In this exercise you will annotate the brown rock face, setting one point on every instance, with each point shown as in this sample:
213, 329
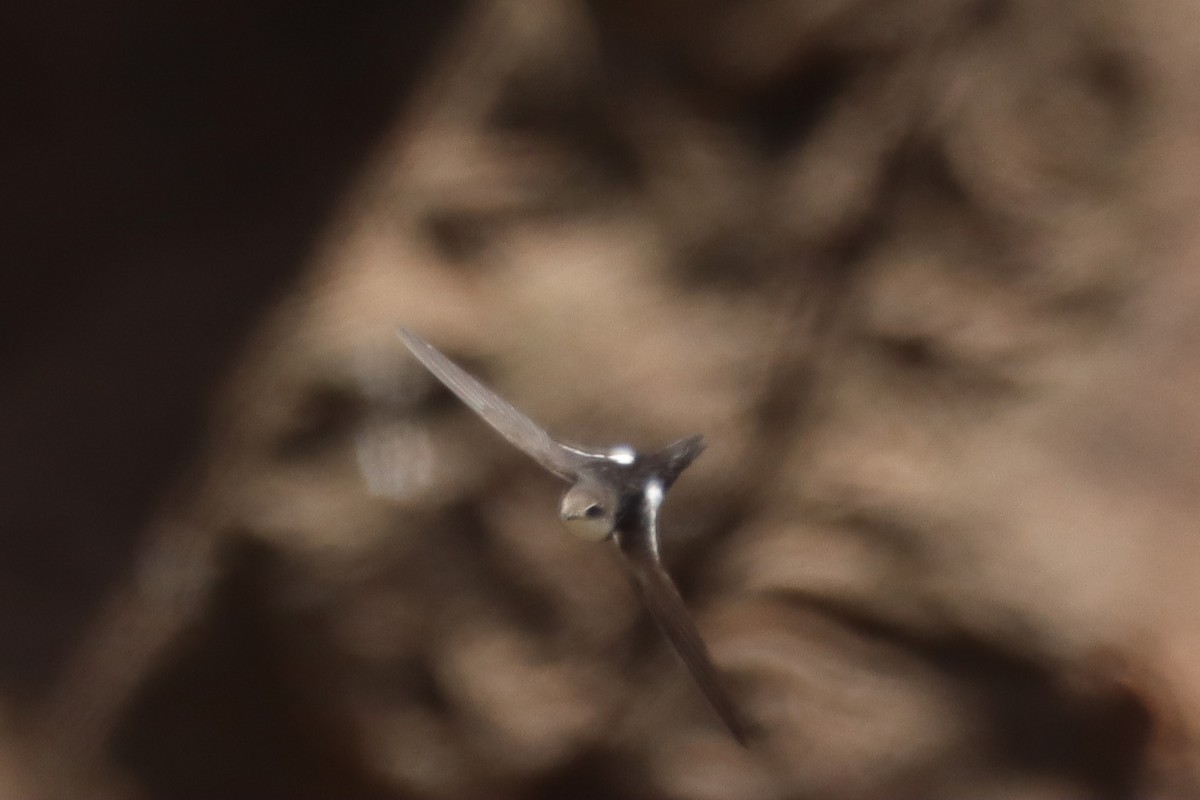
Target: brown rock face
923, 273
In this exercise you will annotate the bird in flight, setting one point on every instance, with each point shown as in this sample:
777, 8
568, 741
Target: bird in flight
613, 495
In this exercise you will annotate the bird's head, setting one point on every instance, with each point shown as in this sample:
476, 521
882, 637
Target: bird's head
589, 511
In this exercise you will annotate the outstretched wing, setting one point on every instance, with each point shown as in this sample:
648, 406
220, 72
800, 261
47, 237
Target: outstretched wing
663, 601
518, 429
676, 457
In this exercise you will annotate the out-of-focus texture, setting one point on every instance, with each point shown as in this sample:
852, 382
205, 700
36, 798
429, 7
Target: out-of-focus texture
924, 275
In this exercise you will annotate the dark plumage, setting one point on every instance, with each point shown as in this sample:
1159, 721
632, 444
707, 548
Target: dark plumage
614, 495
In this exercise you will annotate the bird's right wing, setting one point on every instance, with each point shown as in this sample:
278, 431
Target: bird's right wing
522, 432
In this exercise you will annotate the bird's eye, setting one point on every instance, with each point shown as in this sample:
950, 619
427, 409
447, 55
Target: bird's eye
593, 524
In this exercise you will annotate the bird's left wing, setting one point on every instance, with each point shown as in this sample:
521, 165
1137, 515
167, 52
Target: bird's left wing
522, 432
665, 604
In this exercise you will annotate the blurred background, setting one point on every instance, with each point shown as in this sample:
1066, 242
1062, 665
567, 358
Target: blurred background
922, 272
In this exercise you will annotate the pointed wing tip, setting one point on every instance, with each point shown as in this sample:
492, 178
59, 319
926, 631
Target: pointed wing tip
416, 344
407, 336
739, 732
735, 723
692, 445
677, 456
